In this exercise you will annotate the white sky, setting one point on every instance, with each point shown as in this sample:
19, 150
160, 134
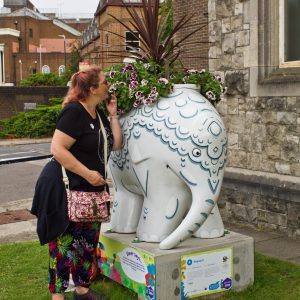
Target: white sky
66, 6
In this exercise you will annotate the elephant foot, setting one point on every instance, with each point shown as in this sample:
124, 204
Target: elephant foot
213, 227
212, 234
150, 238
123, 229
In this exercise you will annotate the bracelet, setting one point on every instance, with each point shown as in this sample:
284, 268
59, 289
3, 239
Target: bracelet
114, 117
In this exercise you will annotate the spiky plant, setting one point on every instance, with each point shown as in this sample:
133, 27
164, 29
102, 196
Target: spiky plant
151, 27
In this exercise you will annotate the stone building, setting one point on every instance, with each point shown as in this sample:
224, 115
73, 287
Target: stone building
31, 42
254, 46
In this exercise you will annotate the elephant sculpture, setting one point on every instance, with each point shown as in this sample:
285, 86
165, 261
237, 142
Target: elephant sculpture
168, 176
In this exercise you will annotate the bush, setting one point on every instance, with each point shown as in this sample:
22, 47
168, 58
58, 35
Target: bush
40, 79
37, 123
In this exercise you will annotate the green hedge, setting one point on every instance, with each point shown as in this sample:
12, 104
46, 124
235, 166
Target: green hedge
33, 124
40, 79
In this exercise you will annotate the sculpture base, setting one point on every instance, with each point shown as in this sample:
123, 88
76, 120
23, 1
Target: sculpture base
195, 269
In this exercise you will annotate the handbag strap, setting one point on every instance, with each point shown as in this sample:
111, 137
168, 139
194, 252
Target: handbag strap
102, 129
105, 143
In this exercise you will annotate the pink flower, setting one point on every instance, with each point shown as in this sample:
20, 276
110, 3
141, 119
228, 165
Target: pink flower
218, 78
129, 67
153, 90
163, 80
138, 102
210, 95
133, 76
138, 94
133, 85
172, 88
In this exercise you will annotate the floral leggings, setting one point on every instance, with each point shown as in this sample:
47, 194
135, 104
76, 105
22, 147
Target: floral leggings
74, 252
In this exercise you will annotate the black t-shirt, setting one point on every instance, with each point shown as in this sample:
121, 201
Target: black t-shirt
75, 121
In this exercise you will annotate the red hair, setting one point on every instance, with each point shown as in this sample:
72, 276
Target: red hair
82, 81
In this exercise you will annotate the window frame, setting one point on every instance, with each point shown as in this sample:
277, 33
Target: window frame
46, 67
136, 41
269, 69
60, 68
282, 62
266, 78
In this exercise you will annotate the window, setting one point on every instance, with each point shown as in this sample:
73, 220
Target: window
289, 33
272, 72
61, 70
30, 32
132, 40
45, 69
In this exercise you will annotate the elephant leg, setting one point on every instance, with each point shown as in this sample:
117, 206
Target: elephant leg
204, 199
213, 227
126, 211
161, 214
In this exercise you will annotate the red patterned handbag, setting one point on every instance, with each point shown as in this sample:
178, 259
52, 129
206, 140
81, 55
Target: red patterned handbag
89, 206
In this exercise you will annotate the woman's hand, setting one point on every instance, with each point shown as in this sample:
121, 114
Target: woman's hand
95, 178
112, 106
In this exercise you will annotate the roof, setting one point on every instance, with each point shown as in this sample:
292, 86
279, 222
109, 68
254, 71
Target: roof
66, 27
9, 31
104, 3
26, 12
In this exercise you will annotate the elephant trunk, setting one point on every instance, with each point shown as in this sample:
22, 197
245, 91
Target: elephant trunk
198, 213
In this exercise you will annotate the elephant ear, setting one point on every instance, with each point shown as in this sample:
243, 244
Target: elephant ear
138, 156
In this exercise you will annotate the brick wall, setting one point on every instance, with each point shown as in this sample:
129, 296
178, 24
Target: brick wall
12, 99
195, 54
41, 29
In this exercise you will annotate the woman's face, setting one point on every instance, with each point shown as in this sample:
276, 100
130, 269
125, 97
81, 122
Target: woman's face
102, 90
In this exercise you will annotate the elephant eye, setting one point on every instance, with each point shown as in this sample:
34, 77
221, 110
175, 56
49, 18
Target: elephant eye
196, 152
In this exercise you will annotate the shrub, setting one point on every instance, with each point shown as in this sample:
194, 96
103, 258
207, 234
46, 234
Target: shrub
40, 79
37, 123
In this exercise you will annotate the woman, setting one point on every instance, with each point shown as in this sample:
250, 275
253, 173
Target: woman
77, 146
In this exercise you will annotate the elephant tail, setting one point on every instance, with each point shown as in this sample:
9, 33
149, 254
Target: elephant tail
196, 216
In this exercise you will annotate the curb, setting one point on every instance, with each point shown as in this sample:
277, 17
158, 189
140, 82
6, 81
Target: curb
16, 205
10, 142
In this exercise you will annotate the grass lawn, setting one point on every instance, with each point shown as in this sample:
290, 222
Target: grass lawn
23, 273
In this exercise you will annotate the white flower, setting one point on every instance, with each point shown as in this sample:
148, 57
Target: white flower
144, 82
185, 79
112, 74
191, 71
147, 66
112, 89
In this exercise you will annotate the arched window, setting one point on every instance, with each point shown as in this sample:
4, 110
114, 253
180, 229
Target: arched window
61, 70
45, 69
